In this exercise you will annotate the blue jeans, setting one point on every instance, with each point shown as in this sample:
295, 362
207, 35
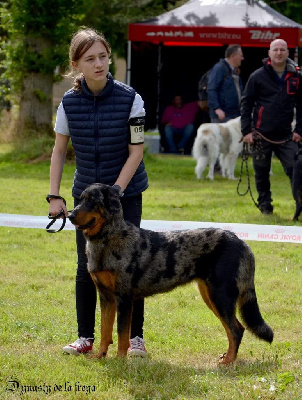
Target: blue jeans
86, 295
185, 134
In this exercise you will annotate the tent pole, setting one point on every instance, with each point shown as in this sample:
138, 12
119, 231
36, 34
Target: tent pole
128, 73
159, 67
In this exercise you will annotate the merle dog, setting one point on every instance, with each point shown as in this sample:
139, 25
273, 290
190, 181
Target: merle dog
127, 263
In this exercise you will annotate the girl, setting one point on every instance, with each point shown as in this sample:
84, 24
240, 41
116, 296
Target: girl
104, 119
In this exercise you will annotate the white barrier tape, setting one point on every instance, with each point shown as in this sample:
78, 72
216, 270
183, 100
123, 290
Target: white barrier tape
264, 233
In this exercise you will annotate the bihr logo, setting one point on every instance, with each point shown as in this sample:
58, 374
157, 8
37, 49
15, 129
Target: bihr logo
257, 34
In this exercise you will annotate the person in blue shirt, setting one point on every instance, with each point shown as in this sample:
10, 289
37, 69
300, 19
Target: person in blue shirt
225, 86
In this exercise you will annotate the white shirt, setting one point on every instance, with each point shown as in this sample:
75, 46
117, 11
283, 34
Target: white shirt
61, 125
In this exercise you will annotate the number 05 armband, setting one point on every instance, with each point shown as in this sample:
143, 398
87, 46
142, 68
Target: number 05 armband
137, 130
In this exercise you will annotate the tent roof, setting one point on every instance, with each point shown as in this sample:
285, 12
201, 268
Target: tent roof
229, 13
219, 16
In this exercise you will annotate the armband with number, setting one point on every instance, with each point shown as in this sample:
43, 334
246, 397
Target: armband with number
137, 130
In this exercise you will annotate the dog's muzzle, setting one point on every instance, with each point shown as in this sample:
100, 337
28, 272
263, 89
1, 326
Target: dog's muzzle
90, 224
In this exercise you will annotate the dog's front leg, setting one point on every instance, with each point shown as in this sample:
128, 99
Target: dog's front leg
108, 310
124, 317
105, 283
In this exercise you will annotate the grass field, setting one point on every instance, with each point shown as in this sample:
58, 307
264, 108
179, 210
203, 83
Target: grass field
183, 338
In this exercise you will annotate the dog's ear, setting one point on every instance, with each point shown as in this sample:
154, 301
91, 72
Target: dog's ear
111, 199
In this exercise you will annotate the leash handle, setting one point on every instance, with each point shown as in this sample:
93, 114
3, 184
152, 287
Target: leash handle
61, 214
54, 218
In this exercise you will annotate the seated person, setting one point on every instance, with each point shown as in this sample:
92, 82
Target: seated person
178, 119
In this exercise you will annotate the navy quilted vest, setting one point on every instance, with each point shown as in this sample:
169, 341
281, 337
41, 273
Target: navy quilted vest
99, 132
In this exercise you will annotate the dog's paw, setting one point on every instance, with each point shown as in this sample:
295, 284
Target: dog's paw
98, 355
224, 359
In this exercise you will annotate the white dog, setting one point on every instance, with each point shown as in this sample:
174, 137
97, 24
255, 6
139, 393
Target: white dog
215, 140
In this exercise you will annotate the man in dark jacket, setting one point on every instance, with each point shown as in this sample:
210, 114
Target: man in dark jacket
225, 87
271, 95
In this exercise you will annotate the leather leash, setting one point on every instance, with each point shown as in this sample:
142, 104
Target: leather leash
61, 215
245, 156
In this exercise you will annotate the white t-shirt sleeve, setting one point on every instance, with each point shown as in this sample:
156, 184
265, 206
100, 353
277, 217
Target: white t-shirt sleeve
137, 109
136, 119
61, 125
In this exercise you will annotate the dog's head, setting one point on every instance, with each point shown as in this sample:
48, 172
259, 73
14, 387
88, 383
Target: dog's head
98, 204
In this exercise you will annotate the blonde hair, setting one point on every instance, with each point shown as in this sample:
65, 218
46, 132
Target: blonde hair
81, 41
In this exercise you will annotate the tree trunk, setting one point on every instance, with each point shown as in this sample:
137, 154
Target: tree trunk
36, 104
36, 95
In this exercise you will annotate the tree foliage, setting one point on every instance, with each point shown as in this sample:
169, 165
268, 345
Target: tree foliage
38, 33
35, 44
291, 9
113, 18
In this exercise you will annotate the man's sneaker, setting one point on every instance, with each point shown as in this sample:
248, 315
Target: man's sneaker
137, 348
80, 346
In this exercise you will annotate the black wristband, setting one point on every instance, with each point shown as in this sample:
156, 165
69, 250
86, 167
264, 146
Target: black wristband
53, 196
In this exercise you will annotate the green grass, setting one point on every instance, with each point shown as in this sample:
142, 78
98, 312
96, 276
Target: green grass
183, 337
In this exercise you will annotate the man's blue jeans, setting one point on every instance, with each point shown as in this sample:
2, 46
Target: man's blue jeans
185, 134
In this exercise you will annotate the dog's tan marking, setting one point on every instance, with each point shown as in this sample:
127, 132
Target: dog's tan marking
106, 280
123, 342
231, 354
97, 227
207, 131
83, 220
224, 131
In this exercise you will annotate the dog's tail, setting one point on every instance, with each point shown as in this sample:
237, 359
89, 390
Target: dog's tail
200, 149
248, 305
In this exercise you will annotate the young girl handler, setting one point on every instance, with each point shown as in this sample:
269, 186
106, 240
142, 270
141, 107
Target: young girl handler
104, 119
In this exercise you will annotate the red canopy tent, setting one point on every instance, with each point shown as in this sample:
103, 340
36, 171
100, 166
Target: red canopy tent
172, 51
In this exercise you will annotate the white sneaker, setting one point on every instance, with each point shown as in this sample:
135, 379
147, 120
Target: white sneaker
137, 348
80, 346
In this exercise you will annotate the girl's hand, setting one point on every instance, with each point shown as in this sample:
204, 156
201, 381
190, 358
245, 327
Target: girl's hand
56, 206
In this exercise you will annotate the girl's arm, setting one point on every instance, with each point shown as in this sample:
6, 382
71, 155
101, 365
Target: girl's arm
135, 157
56, 171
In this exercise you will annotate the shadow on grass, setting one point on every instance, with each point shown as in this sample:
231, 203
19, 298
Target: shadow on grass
148, 379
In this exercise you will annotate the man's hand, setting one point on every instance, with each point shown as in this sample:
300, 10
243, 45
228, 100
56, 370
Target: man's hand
248, 138
220, 114
296, 137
